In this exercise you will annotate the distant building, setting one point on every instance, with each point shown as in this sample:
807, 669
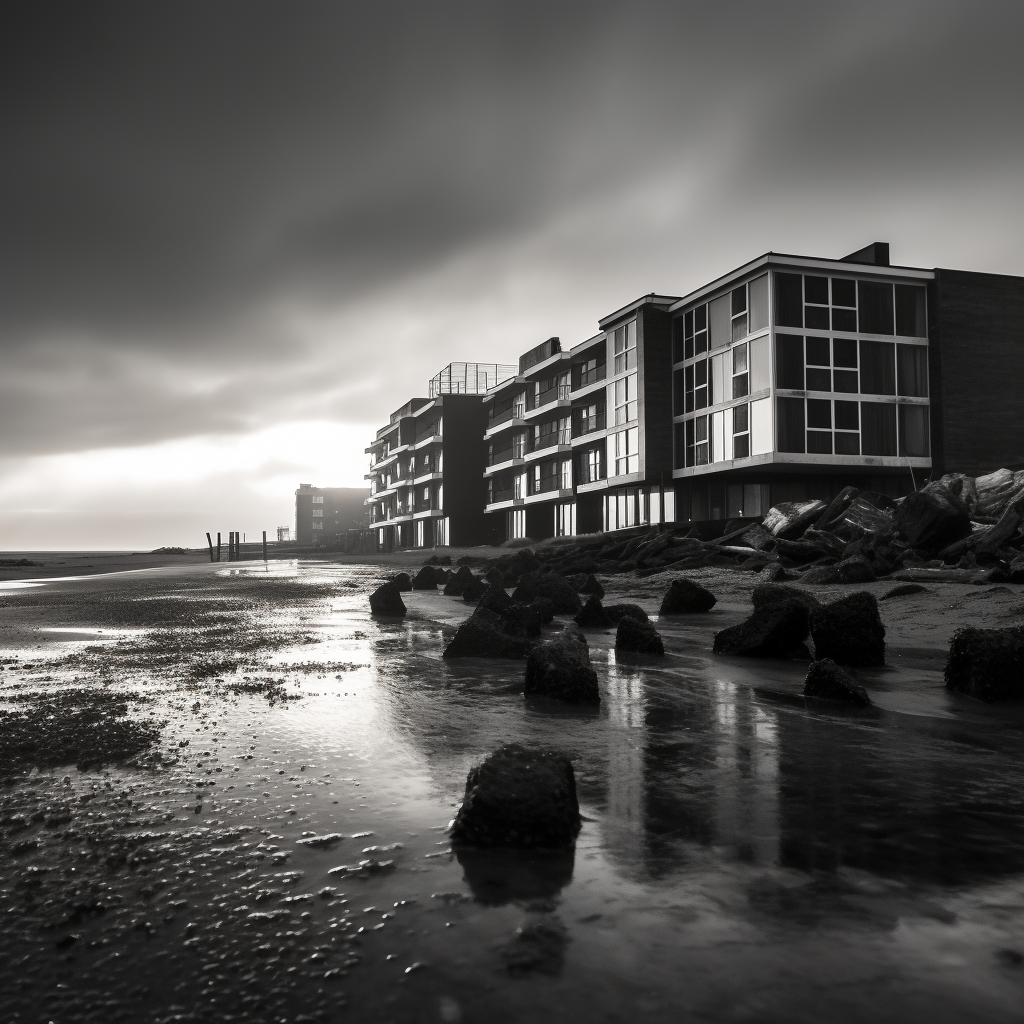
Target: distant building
324, 515
284, 534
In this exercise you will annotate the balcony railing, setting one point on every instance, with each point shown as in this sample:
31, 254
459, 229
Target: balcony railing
588, 424
547, 483
504, 455
559, 392
592, 376
502, 494
502, 417
433, 430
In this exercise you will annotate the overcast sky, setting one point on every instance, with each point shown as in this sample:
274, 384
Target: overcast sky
235, 237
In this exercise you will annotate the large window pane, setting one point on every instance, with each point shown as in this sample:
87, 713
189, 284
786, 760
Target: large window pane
874, 304
878, 428
819, 442
789, 362
720, 315
847, 416
816, 290
914, 430
789, 300
819, 413
844, 352
844, 292
877, 368
789, 414
759, 303
912, 371
910, 311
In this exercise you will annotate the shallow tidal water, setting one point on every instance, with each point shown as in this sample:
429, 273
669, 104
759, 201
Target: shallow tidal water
746, 854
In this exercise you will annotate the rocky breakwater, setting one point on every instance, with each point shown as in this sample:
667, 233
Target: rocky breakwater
560, 668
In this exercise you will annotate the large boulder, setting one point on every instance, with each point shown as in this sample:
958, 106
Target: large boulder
495, 576
483, 635
684, 596
586, 583
849, 631
932, 518
520, 797
527, 619
425, 579
560, 668
475, 590
458, 583
495, 599
777, 629
402, 580
617, 612
593, 616
987, 663
637, 637
766, 595
556, 588
827, 680
387, 600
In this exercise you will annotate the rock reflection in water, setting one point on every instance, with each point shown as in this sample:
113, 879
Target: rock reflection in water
498, 877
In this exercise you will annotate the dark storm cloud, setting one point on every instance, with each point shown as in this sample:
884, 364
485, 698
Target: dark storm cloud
171, 172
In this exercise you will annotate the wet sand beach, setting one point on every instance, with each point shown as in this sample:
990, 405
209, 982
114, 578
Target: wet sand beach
228, 789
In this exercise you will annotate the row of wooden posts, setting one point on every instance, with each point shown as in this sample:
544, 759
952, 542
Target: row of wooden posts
234, 546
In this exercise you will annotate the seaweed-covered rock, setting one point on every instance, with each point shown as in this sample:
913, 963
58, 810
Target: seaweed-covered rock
684, 596
586, 583
425, 579
494, 576
387, 600
592, 615
932, 518
849, 631
527, 619
483, 635
554, 587
495, 599
475, 590
560, 668
617, 612
521, 797
458, 583
402, 580
766, 595
638, 637
827, 680
773, 573
777, 629
987, 663
849, 570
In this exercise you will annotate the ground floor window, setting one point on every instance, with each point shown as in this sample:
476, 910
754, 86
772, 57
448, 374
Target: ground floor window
441, 533
638, 506
517, 524
565, 519
420, 533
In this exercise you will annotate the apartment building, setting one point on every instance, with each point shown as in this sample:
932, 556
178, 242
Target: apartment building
795, 376
427, 464
324, 515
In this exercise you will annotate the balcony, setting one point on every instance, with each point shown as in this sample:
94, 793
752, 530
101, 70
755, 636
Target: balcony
588, 424
500, 494
433, 430
560, 392
551, 439
591, 377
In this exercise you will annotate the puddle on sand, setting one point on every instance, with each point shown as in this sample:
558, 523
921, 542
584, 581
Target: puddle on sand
746, 855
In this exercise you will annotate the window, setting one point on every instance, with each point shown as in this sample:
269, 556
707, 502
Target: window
679, 337
565, 519
816, 312
590, 466
623, 452
695, 332
701, 391
624, 344
741, 431
740, 375
819, 426
318, 526
536, 479
624, 399
913, 420
564, 430
844, 354
789, 362
819, 362
874, 306
698, 444
566, 475
317, 500
318, 511
844, 296
789, 300
517, 524
878, 428
847, 436
739, 312
518, 446
519, 406
877, 368
912, 371
720, 321
790, 424
758, 295
519, 485
910, 311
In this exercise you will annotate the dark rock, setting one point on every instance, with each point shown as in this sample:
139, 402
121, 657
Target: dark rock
475, 590
768, 594
773, 573
932, 518
638, 637
593, 616
684, 596
520, 797
987, 663
458, 583
495, 575
827, 680
495, 599
467, 560
849, 631
387, 600
402, 580
586, 583
777, 629
483, 635
904, 590
617, 612
551, 585
1016, 572
560, 668
425, 579
527, 619
789, 519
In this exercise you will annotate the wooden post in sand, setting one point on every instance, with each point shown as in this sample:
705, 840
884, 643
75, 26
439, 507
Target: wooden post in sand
218, 545
209, 541
264, 545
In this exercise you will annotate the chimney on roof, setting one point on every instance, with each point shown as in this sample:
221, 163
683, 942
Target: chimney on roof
877, 254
